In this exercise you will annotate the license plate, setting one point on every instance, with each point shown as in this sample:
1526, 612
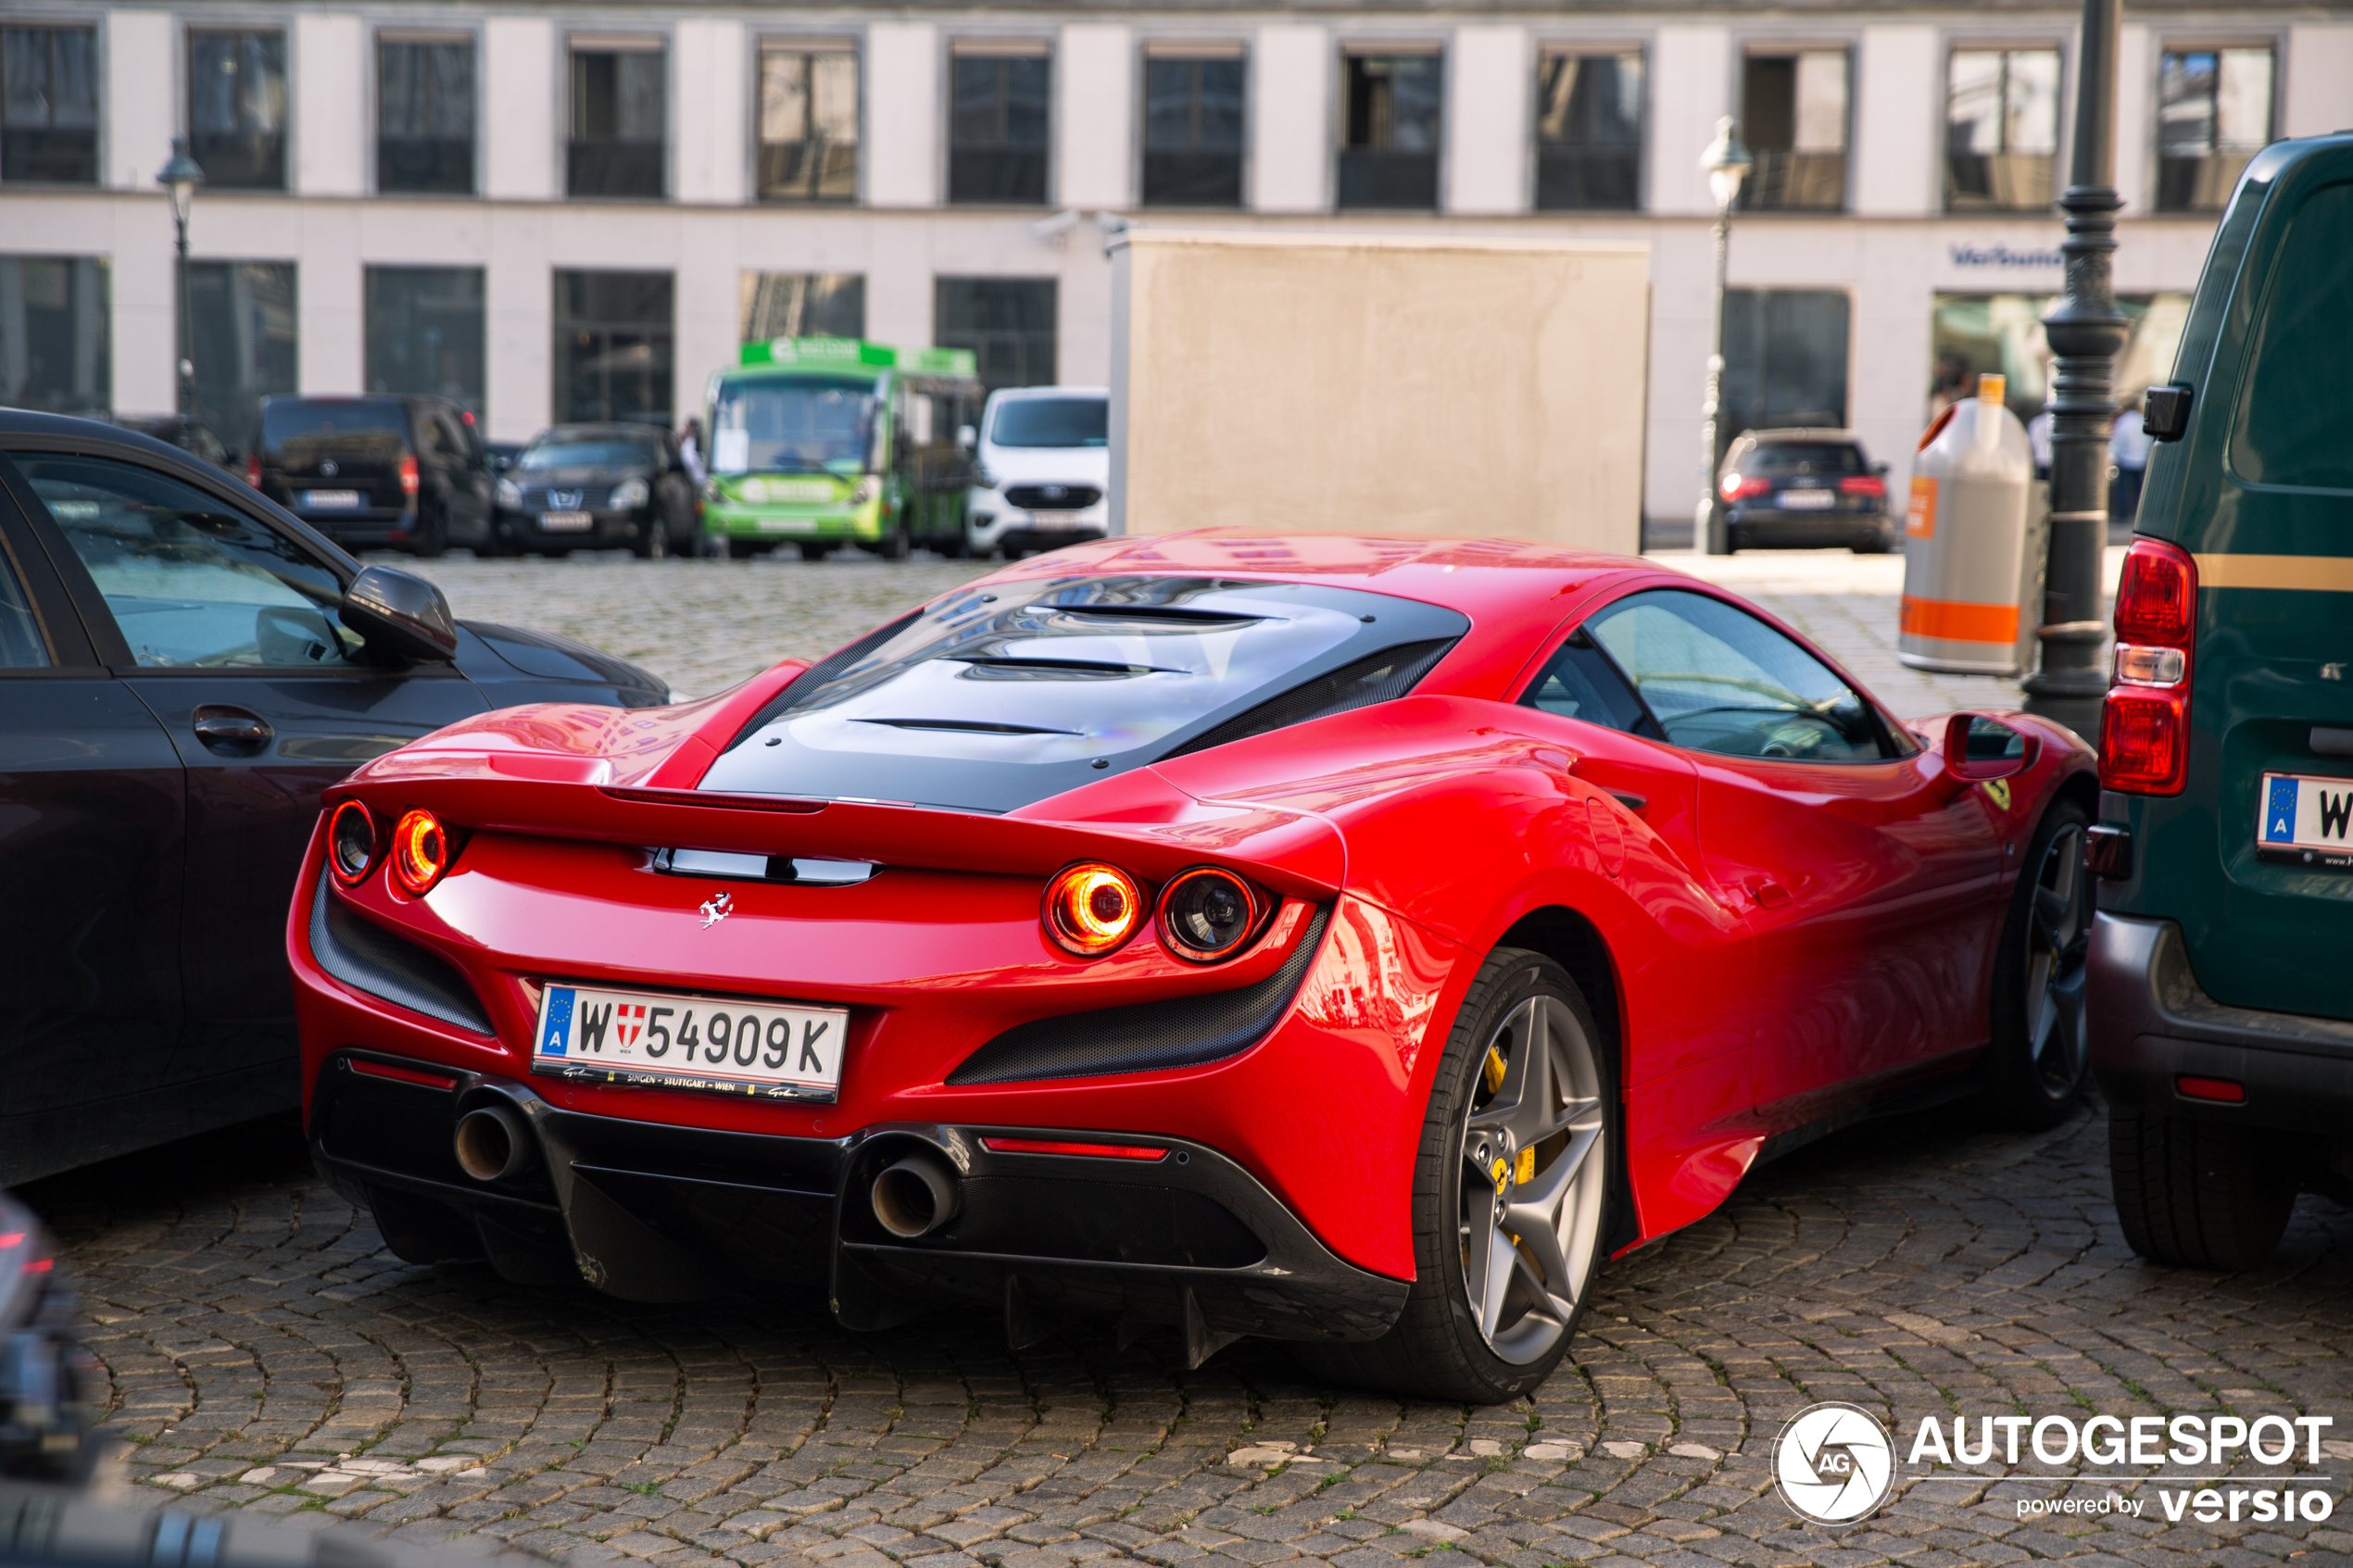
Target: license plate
2306, 819
566, 522
706, 1043
331, 498
1807, 500
789, 525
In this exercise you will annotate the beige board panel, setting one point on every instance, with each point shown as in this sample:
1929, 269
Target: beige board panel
1380, 385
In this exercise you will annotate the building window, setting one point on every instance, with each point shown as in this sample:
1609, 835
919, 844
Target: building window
49, 125
1193, 126
1007, 323
620, 114
2001, 129
425, 333
1589, 132
802, 304
997, 125
1388, 152
425, 115
237, 108
2213, 114
1784, 360
54, 352
808, 122
1793, 117
241, 327
614, 343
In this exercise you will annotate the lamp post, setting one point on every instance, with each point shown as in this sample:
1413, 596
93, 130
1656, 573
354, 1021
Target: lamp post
1728, 164
2085, 332
181, 177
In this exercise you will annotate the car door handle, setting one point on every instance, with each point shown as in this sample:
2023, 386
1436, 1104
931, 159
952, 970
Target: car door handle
232, 730
1768, 893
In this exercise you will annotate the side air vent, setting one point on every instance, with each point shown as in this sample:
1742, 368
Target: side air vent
365, 956
1148, 1037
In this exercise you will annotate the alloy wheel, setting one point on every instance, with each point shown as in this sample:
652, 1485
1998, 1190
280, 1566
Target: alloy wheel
2058, 938
1533, 1177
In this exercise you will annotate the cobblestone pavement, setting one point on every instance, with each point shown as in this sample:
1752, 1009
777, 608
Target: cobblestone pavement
265, 1352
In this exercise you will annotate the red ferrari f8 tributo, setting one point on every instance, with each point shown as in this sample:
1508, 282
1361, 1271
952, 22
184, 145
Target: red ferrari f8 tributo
1350, 941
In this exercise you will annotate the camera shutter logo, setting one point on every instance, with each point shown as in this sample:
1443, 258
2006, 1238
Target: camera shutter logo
1834, 1463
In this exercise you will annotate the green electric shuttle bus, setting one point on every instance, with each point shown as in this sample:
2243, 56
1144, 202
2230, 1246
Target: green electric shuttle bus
821, 442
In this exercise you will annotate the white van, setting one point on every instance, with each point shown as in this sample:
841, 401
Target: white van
1041, 470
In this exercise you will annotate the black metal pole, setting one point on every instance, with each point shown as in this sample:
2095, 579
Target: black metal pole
185, 371
2085, 333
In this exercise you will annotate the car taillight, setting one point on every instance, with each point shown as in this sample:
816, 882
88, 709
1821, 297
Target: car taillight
253, 471
2144, 720
1862, 485
351, 842
1736, 488
1207, 914
420, 852
407, 476
1091, 909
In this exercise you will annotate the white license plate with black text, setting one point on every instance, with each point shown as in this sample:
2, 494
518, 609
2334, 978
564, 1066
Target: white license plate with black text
708, 1042
2304, 818
1807, 500
327, 499
566, 522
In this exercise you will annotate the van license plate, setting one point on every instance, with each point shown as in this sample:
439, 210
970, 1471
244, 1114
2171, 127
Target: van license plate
324, 498
566, 522
2306, 819
708, 1042
1807, 500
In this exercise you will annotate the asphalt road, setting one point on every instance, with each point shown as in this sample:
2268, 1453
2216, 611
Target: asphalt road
263, 1351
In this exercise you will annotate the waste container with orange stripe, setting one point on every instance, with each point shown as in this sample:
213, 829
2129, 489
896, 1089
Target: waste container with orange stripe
1970, 560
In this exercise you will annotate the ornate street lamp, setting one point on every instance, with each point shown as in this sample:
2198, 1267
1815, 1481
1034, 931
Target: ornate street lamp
1728, 164
2085, 332
181, 177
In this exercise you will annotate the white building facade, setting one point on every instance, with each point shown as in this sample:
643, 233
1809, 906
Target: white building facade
559, 212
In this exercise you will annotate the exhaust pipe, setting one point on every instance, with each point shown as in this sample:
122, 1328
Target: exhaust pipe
915, 1197
492, 1144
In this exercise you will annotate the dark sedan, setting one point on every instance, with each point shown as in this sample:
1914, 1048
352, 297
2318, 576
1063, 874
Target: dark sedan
183, 668
596, 487
1803, 489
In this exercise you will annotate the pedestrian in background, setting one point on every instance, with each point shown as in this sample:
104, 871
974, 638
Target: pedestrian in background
2038, 437
2128, 451
690, 450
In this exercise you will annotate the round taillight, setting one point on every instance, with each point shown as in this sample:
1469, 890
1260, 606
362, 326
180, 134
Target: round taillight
1208, 914
351, 842
420, 852
1091, 908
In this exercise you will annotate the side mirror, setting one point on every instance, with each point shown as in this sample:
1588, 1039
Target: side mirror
1978, 749
1880, 469
967, 440
406, 617
2165, 412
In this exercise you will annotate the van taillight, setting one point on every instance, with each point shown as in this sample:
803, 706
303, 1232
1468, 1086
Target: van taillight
407, 476
2144, 720
253, 470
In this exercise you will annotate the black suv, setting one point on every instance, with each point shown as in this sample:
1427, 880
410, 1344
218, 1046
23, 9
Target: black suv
406, 472
1803, 489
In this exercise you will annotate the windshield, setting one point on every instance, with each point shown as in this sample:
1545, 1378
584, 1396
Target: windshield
1053, 421
779, 425
587, 455
292, 418
989, 701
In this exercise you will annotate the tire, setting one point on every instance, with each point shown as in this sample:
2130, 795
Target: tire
2037, 1065
2198, 1195
1735, 541
499, 542
1876, 544
1440, 1348
430, 538
418, 1230
744, 549
894, 544
952, 546
647, 545
815, 549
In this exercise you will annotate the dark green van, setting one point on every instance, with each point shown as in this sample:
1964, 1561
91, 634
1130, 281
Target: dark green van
2220, 1021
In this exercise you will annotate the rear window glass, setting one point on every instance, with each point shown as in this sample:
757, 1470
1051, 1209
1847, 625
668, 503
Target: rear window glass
989, 701
2296, 403
284, 420
1796, 457
1053, 421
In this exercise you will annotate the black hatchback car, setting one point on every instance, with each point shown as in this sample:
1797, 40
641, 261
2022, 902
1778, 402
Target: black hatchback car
595, 487
183, 668
405, 471
1803, 489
